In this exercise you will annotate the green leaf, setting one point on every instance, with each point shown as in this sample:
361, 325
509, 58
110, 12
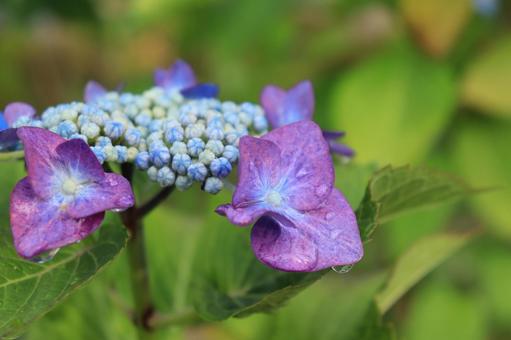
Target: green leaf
394, 191
417, 262
481, 153
339, 307
488, 78
440, 311
29, 290
411, 101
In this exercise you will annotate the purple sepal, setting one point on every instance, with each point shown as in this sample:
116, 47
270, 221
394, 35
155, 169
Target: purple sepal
64, 196
14, 111
8, 140
178, 77
333, 135
38, 226
325, 237
284, 108
204, 90
93, 91
286, 184
341, 149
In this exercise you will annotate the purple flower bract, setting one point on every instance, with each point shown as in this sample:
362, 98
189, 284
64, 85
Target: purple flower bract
64, 196
180, 77
302, 223
285, 107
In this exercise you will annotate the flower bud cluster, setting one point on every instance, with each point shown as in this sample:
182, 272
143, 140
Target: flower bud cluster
176, 141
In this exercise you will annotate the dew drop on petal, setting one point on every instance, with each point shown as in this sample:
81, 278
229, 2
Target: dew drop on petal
118, 210
45, 257
342, 269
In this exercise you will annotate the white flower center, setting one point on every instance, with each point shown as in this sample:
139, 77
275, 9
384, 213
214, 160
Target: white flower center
70, 186
274, 198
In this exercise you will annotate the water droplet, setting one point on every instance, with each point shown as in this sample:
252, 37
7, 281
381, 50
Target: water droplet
342, 269
118, 210
45, 257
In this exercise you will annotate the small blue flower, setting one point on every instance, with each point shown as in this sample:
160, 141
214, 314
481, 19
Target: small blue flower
142, 160
133, 136
195, 146
181, 162
178, 147
152, 173
122, 153
143, 119
231, 153
79, 136
215, 146
183, 183
67, 128
165, 177
206, 156
174, 134
213, 185
90, 130
100, 153
114, 129
160, 156
215, 133
220, 167
103, 141
155, 125
197, 172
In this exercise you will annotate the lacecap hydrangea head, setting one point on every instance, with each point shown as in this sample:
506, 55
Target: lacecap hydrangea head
176, 131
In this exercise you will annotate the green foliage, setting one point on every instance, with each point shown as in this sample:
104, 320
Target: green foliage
481, 154
415, 263
29, 290
394, 191
488, 78
443, 312
411, 101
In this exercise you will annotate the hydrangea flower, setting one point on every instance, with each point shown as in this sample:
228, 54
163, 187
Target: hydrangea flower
285, 107
9, 119
181, 78
93, 91
286, 179
64, 196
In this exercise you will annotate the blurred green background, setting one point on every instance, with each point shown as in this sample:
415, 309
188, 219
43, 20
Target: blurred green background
411, 81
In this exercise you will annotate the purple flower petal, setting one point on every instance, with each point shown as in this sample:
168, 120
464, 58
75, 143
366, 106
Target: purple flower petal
14, 111
272, 99
306, 163
8, 139
40, 145
243, 216
333, 135
112, 193
319, 239
341, 149
259, 170
204, 90
179, 76
39, 226
93, 91
77, 157
284, 108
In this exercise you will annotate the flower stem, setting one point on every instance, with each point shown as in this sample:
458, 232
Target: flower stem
143, 308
